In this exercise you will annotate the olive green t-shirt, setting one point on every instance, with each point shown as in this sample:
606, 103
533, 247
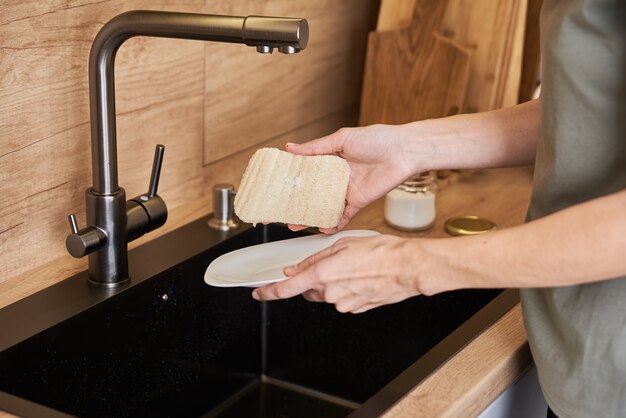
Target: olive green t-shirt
577, 334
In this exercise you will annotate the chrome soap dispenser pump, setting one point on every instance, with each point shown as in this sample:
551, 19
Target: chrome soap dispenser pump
113, 221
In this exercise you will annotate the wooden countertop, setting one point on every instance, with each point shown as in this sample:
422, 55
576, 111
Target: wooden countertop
482, 370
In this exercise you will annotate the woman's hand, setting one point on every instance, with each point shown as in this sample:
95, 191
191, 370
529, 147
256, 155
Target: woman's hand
355, 274
377, 162
383, 156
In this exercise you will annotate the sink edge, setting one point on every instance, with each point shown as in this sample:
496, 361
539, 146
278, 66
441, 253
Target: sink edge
73, 295
435, 358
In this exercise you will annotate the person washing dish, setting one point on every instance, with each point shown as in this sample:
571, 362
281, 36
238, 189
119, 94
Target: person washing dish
569, 259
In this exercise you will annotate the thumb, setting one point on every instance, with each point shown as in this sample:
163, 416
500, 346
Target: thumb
348, 213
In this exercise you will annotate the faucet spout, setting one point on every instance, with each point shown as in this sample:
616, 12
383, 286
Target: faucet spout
258, 31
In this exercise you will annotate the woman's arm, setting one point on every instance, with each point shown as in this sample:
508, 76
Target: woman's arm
581, 244
500, 138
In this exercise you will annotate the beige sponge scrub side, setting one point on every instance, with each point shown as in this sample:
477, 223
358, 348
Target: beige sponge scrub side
278, 186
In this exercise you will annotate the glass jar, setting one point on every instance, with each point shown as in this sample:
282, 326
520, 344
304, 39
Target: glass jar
411, 205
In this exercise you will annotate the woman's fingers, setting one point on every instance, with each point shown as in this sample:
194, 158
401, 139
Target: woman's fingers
365, 308
313, 296
302, 277
327, 145
354, 274
282, 290
296, 228
310, 260
348, 213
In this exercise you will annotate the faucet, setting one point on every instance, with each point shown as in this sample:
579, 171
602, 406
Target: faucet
112, 221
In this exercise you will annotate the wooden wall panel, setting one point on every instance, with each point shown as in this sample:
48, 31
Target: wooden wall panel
45, 156
257, 97
45, 160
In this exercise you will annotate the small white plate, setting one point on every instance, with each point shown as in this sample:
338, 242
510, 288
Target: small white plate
264, 263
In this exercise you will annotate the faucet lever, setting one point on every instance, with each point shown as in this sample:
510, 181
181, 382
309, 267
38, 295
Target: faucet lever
147, 212
73, 223
84, 241
156, 170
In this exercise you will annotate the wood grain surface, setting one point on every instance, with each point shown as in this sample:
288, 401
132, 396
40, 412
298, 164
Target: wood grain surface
531, 55
44, 117
494, 31
413, 73
394, 14
501, 195
491, 31
45, 157
275, 94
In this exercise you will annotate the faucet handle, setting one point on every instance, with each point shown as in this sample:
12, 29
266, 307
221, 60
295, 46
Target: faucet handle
157, 163
147, 212
73, 223
84, 241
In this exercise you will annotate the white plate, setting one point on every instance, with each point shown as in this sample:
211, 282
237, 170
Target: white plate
263, 264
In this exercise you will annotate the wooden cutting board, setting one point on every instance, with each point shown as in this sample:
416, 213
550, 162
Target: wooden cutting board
414, 73
532, 55
491, 31
494, 31
394, 14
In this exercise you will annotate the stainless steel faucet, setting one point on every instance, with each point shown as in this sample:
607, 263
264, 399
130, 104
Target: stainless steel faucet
113, 222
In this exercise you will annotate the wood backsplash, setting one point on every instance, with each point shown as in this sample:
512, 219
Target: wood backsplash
279, 93
210, 104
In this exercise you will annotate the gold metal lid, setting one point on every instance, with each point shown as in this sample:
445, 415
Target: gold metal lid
468, 225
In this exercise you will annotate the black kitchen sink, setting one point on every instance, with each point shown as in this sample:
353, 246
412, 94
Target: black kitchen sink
169, 345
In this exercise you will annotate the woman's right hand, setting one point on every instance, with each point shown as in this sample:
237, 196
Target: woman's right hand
377, 161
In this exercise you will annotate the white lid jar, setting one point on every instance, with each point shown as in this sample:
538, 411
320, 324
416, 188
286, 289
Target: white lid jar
411, 205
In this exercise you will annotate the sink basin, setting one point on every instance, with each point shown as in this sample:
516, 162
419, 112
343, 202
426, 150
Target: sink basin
169, 345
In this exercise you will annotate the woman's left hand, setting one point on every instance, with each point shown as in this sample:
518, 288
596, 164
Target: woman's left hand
355, 274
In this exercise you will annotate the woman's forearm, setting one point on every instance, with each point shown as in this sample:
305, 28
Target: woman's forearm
580, 244
501, 138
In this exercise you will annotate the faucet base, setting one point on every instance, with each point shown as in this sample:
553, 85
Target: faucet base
107, 285
108, 266
221, 224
